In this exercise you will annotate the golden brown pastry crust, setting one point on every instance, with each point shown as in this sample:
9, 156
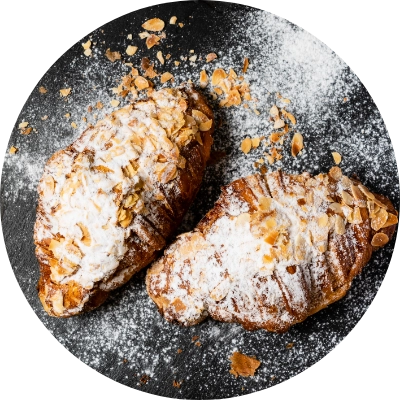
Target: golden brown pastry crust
145, 218
274, 250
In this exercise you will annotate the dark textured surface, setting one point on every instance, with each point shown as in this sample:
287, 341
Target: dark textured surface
126, 338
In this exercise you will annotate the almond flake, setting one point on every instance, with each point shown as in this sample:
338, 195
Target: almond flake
274, 111
86, 45
99, 105
65, 92
217, 76
205, 126
13, 150
131, 50
297, 144
211, 57
291, 118
141, 83
203, 79
335, 173
340, 227
73, 124
166, 76
181, 25
88, 52
173, 20
379, 239
152, 40
246, 145
113, 55
357, 219
245, 65
177, 63
347, 199
129, 37
193, 58
279, 123
255, 142
67, 115
323, 220
23, 125
391, 220
336, 157
379, 220
160, 57
243, 365
154, 25
42, 90
114, 103
27, 131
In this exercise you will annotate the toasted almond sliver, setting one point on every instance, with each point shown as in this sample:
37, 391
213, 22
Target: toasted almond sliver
391, 220
340, 227
336, 157
42, 90
131, 50
379, 203
173, 20
205, 126
217, 76
274, 111
264, 203
279, 123
347, 199
297, 144
357, 194
291, 118
379, 239
246, 145
271, 237
160, 57
13, 150
379, 220
166, 76
323, 220
245, 65
335, 173
23, 125
357, 219
114, 103
211, 57
88, 52
255, 142
154, 25
65, 92
152, 40
203, 79
366, 191
141, 83
113, 55
86, 45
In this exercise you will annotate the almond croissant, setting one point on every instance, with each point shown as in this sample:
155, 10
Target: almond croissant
109, 202
275, 249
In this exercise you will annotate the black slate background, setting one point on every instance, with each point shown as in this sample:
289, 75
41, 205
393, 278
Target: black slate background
329, 325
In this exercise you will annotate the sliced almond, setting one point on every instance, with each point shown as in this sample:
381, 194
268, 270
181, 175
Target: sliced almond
366, 191
13, 150
391, 220
65, 92
379, 239
323, 220
340, 227
166, 76
271, 237
274, 111
379, 219
255, 142
173, 20
160, 57
211, 57
347, 199
131, 50
357, 194
279, 123
337, 157
245, 65
86, 45
335, 173
141, 83
297, 144
114, 103
217, 76
168, 174
264, 203
42, 90
356, 217
379, 203
203, 79
206, 126
291, 118
152, 40
300, 248
154, 25
113, 55
246, 145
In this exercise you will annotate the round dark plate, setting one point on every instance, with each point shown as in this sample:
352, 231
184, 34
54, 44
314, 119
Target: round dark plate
126, 339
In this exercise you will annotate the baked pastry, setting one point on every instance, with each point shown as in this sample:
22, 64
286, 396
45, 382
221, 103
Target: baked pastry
275, 249
109, 202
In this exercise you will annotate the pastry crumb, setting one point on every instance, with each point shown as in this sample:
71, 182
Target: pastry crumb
113, 55
243, 365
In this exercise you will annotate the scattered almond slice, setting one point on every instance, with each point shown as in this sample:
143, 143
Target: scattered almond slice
193, 58
297, 144
114, 103
99, 105
177, 63
181, 25
141, 83
129, 37
279, 123
160, 57
173, 20
152, 40
65, 92
274, 111
131, 50
88, 52
86, 45
243, 365
13, 150
255, 142
154, 25
26, 131
166, 76
23, 125
67, 115
42, 90
336, 157
379, 239
203, 79
246, 145
73, 124
113, 55
218, 75
211, 57
391, 220
245, 65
